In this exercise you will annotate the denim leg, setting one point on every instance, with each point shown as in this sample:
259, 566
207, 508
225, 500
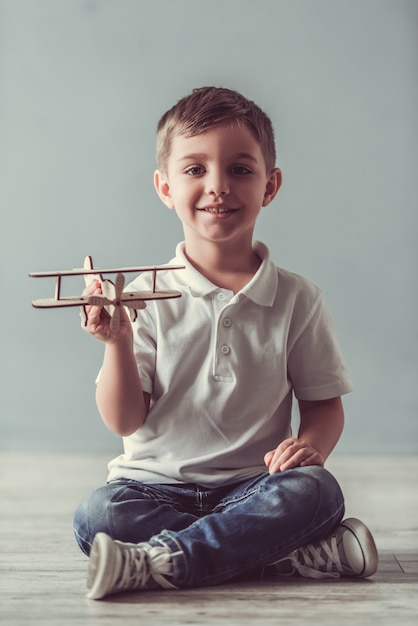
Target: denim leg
258, 523
131, 511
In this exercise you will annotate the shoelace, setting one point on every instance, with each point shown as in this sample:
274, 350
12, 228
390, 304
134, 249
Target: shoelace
140, 563
319, 562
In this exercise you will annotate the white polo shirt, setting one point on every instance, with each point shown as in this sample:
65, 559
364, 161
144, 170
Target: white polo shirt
221, 370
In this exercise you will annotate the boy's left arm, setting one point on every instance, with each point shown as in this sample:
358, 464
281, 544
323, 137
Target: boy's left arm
321, 424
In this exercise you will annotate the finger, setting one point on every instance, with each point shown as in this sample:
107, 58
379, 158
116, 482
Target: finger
302, 458
268, 457
314, 459
84, 316
97, 320
296, 459
276, 463
281, 454
92, 314
93, 289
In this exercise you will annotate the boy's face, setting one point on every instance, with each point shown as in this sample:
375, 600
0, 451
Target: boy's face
217, 183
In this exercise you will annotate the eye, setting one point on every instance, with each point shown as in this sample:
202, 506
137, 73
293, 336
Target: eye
240, 170
194, 170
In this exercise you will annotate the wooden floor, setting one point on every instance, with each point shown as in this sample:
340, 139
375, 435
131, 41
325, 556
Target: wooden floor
43, 572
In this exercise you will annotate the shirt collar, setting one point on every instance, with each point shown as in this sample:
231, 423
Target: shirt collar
261, 289
190, 278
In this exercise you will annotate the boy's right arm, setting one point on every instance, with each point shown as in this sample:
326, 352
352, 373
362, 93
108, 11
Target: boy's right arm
120, 399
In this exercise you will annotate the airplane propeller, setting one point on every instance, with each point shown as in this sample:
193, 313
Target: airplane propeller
113, 297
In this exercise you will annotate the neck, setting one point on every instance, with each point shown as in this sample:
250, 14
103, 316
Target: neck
228, 267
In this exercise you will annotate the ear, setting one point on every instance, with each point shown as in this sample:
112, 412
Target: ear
162, 187
273, 185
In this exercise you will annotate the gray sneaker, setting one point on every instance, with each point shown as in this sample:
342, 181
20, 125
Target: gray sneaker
117, 566
349, 550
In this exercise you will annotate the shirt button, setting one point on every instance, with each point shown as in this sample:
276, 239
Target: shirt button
225, 349
227, 322
221, 296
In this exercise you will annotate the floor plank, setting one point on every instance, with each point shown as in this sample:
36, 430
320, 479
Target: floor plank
42, 572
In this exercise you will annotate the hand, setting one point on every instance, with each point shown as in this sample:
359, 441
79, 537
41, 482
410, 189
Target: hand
97, 322
292, 453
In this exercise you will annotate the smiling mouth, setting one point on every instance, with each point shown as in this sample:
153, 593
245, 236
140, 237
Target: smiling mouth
217, 210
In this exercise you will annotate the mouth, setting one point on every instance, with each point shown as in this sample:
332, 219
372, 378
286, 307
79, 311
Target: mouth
217, 210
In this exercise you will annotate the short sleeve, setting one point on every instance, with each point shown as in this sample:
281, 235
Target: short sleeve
315, 363
145, 348
144, 335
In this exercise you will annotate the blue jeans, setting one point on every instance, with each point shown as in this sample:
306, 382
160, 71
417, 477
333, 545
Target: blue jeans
218, 533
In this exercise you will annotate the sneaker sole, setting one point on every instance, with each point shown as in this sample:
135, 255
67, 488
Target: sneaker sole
366, 542
99, 570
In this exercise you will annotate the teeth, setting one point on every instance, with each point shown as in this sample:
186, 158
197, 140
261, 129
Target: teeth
217, 210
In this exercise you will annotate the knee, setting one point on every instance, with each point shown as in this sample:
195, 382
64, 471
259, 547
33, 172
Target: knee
327, 500
323, 483
316, 479
80, 528
313, 485
90, 518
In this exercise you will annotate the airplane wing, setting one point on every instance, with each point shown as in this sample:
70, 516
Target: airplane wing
98, 270
150, 295
52, 303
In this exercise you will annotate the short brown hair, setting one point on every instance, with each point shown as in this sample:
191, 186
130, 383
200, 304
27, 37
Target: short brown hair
207, 107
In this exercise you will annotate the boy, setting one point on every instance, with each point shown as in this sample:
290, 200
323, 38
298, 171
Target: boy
212, 484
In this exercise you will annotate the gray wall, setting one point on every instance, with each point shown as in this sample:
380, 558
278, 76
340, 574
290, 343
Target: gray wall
82, 85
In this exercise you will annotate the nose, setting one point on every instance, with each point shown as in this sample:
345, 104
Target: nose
217, 184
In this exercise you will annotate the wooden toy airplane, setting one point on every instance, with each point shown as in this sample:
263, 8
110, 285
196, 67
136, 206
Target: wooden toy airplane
113, 297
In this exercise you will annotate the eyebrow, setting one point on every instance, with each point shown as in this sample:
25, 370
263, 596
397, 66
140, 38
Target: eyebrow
238, 155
